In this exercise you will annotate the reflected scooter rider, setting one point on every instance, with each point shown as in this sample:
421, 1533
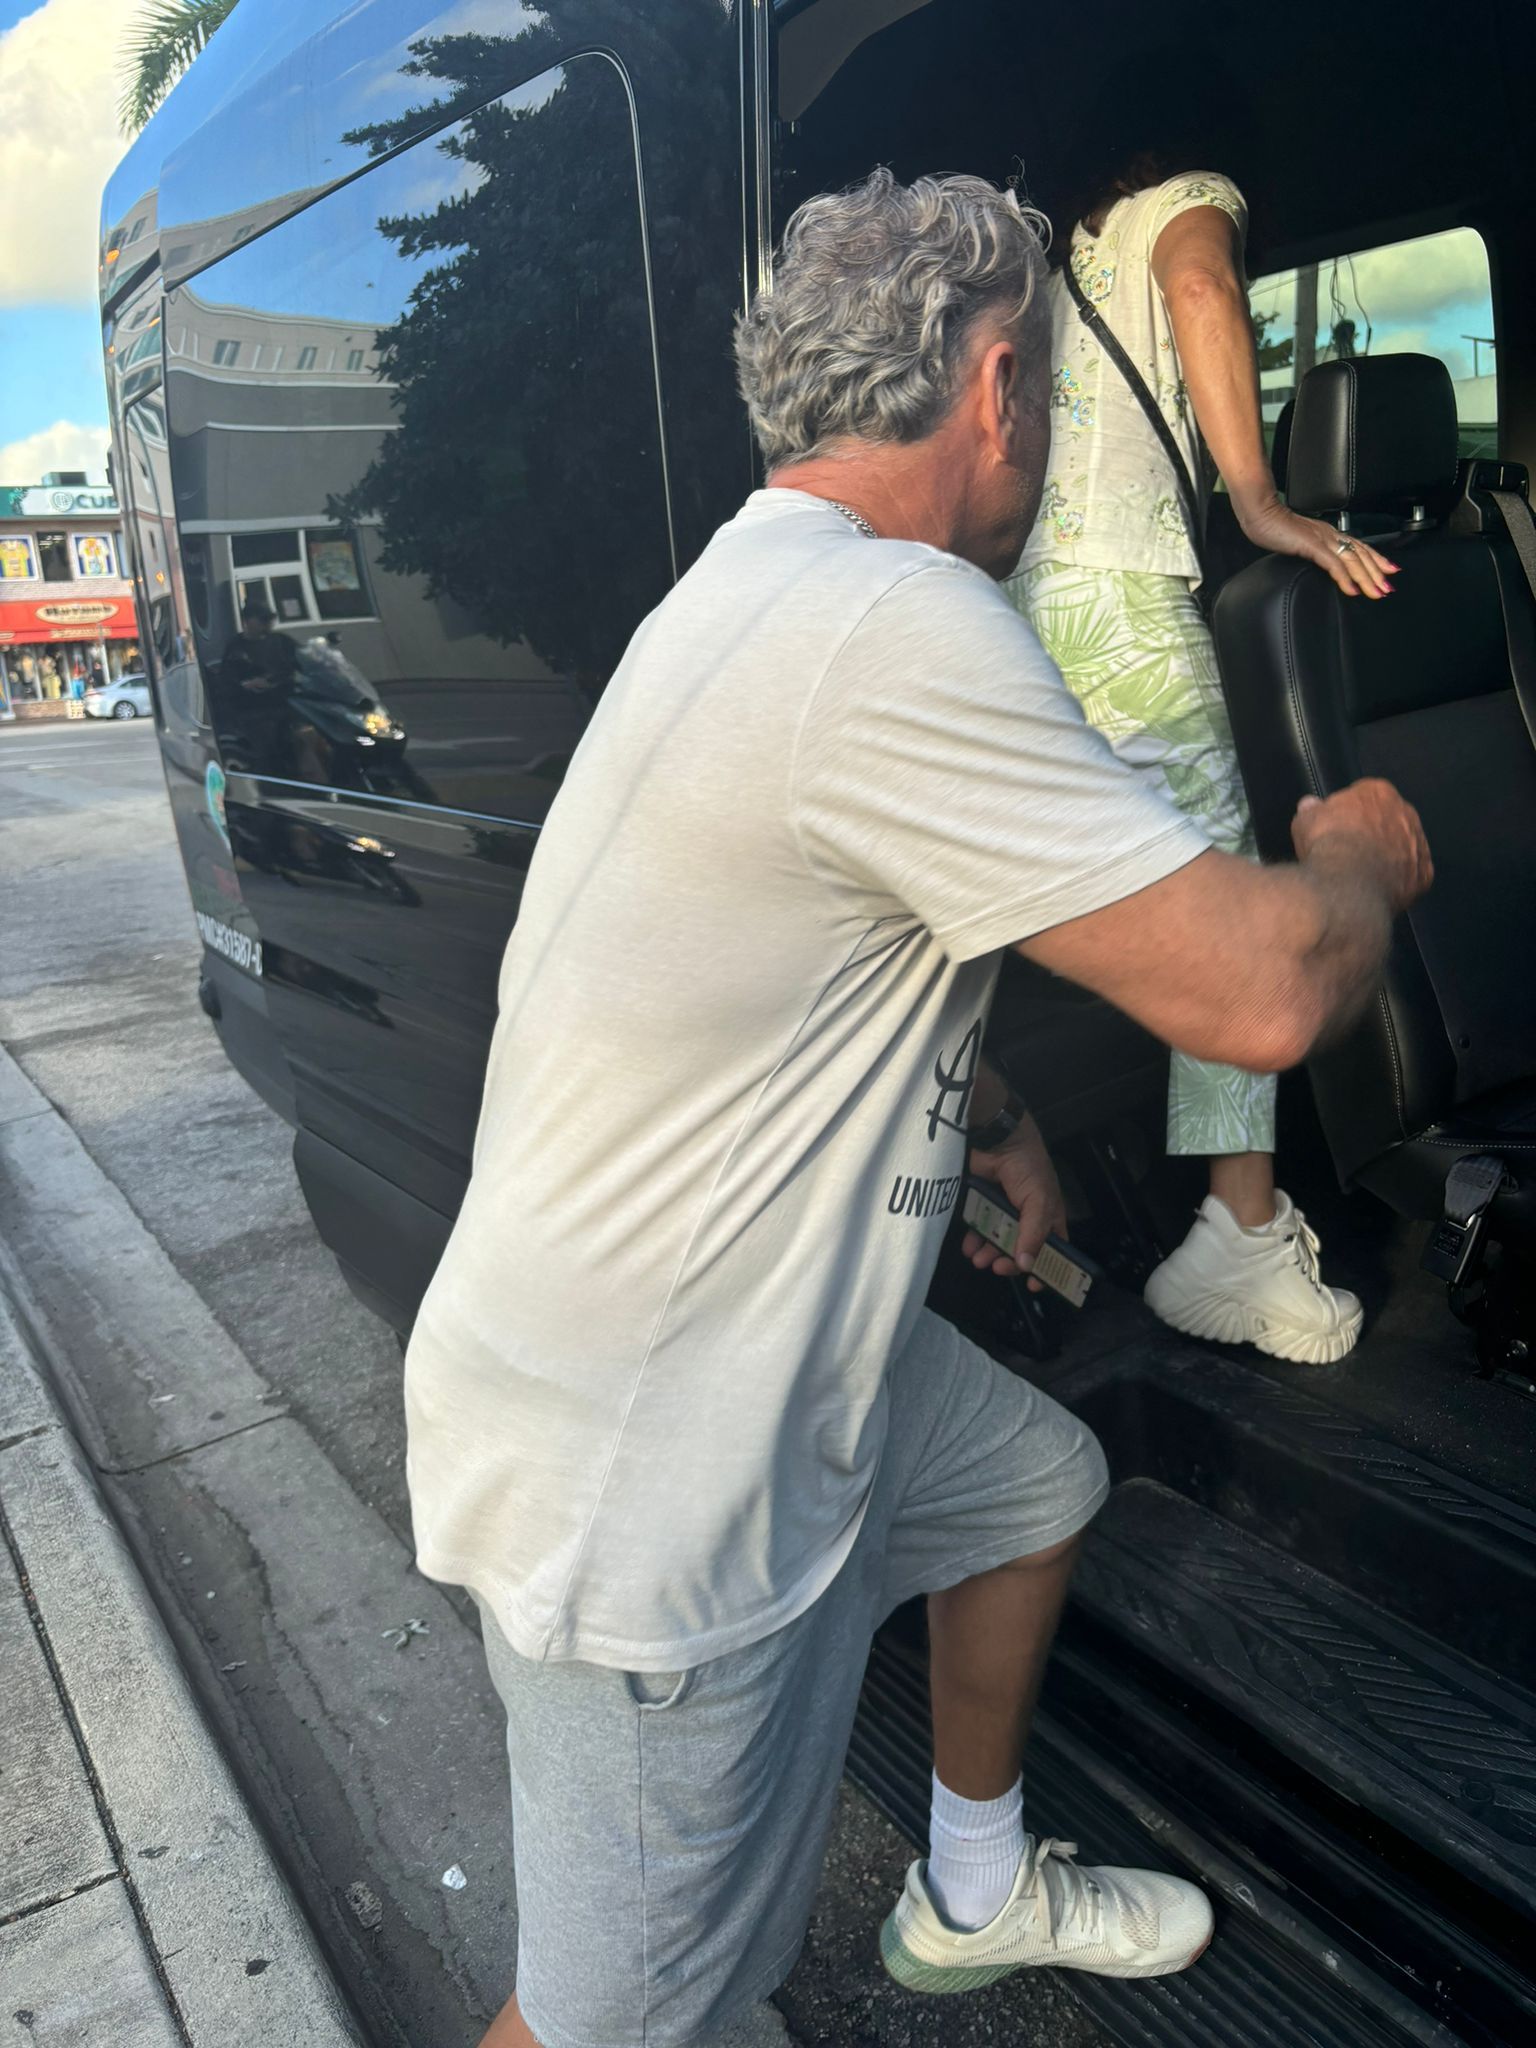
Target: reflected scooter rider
259, 671
677, 1414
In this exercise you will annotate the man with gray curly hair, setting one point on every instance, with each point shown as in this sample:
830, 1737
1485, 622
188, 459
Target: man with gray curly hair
687, 1431
867, 332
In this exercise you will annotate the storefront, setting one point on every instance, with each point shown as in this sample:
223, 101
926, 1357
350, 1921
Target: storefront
66, 606
52, 649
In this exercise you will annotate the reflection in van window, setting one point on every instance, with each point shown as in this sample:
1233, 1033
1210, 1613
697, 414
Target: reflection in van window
1430, 296
476, 521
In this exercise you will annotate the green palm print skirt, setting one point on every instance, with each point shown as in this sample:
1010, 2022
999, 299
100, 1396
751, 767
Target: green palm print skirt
1138, 657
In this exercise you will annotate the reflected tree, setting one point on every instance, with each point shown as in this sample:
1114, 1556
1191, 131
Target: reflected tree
523, 480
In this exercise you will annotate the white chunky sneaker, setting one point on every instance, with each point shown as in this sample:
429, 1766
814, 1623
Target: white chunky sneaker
1117, 1923
1261, 1287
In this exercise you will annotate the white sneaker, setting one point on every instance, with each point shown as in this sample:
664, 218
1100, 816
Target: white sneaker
1260, 1287
1117, 1923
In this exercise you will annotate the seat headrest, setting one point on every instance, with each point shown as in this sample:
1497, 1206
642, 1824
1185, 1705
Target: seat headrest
1372, 433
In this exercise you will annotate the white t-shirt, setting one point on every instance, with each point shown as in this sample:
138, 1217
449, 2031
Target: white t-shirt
1111, 499
722, 1130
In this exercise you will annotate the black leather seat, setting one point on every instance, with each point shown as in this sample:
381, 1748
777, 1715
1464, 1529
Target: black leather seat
1280, 447
1425, 688
1077, 1061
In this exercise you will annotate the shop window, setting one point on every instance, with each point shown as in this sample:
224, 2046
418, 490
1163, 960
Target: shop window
336, 575
226, 354
95, 555
1429, 296
194, 568
300, 577
284, 596
53, 552
251, 550
149, 417
162, 628
18, 558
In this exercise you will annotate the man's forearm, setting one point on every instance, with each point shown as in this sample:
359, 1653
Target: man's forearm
1349, 930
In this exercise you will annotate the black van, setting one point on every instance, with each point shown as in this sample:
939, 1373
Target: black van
417, 330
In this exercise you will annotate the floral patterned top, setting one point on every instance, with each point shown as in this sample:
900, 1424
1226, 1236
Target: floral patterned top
1111, 500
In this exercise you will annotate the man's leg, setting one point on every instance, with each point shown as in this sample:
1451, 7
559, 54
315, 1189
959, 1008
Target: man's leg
509, 2029
989, 1467
991, 1898
669, 1827
989, 1638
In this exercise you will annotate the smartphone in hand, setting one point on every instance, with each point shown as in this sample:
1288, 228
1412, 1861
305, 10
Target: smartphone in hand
1057, 1265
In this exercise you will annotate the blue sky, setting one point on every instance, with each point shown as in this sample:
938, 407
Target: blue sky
59, 139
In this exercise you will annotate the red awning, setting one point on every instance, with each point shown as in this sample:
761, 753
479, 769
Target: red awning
67, 618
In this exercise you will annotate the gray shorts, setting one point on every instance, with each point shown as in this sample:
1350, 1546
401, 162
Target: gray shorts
669, 1829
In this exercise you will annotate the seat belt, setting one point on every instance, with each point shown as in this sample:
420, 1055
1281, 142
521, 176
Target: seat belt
1519, 522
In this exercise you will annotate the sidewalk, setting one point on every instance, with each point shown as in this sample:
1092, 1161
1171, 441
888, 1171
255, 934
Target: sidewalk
139, 1907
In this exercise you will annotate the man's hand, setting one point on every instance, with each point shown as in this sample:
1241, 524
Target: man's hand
1370, 825
1022, 1169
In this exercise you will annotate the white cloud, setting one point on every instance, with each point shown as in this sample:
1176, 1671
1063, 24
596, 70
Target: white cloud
1406, 282
1456, 353
1415, 280
59, 139
61, 446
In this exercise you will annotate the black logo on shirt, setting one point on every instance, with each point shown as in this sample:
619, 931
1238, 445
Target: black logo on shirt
913, 1195
922, 1195
955, 1083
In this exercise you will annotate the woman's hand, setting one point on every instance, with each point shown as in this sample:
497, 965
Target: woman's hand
1022, 1169
1354, 567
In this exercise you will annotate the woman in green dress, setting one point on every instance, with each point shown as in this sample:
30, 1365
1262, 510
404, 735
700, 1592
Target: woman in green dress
1107, 580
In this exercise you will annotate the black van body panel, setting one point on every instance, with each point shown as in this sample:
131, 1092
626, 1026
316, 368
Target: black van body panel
447, 390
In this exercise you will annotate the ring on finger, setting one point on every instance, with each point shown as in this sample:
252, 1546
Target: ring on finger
1346, 547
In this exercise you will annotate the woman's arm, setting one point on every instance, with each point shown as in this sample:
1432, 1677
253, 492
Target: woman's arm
1197, 265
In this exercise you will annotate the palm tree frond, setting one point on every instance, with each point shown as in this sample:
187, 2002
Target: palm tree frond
168, 35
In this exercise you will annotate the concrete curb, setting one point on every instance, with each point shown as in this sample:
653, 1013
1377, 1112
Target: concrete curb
222, 1934
184, 1433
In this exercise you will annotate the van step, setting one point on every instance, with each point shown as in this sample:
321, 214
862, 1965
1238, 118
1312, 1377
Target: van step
1434, 1549
1269, 1980
1412, 1732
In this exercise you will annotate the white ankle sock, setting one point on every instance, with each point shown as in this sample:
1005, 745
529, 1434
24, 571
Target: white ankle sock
973, 1856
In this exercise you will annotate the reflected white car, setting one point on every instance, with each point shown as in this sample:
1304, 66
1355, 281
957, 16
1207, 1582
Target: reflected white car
128, 697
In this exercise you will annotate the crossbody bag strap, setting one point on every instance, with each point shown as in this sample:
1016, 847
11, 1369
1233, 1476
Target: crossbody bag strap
1110, 342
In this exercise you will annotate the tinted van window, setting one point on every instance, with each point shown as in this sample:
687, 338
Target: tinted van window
1429, 296
475, 524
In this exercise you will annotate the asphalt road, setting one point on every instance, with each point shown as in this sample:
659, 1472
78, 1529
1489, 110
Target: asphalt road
276, 1525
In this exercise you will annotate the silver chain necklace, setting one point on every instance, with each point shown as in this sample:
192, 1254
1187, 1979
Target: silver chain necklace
857, 518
